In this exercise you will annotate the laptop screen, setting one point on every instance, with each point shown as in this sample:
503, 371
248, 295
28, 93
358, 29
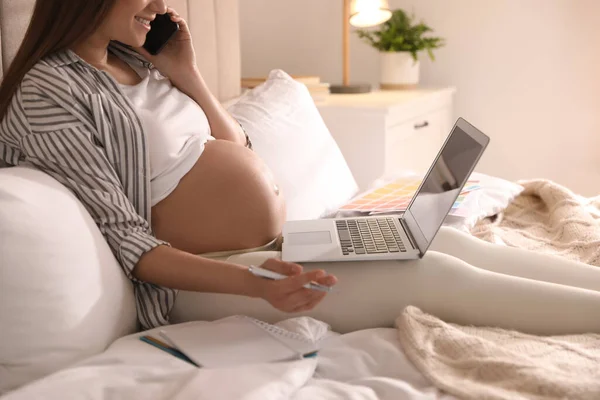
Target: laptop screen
444, 182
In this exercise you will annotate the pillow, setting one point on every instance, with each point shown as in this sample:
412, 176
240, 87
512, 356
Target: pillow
288, 133
63, 296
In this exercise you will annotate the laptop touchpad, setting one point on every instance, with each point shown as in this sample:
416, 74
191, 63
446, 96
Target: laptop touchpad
309, 238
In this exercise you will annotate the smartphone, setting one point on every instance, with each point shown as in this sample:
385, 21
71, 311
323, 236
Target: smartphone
162, 29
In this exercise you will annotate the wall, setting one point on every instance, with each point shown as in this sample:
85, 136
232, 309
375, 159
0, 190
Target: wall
527, 72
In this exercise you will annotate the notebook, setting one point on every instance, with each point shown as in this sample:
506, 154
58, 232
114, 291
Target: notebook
239, 340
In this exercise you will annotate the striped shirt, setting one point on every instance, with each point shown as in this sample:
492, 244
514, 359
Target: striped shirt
74, 122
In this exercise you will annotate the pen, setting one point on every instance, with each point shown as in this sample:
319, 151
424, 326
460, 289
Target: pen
265, 273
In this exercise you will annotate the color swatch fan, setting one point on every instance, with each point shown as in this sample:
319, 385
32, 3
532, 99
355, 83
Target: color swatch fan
396, 196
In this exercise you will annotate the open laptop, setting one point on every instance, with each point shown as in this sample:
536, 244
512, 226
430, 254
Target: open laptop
393, 237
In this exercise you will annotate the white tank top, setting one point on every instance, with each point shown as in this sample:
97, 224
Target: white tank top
176, 130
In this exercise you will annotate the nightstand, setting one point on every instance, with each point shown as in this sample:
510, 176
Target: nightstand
386, 132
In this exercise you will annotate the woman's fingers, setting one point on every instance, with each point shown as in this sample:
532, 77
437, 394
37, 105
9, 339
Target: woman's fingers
171, 11
282, 267
297, 282
299, 297
290, 294
328, 280
310, 304
302, 298
175, 17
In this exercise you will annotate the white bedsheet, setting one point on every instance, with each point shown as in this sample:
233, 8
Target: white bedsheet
365, 365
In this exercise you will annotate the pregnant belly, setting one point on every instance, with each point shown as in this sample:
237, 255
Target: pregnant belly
228, 201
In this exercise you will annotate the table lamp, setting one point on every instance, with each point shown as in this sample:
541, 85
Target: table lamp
361, 14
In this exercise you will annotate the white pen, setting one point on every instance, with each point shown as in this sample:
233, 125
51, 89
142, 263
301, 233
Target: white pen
265, 273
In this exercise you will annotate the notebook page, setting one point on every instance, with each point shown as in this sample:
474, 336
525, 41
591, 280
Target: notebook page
299, 343
229, 342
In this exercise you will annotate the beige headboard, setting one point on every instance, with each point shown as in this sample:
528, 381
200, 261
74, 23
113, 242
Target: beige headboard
214, 25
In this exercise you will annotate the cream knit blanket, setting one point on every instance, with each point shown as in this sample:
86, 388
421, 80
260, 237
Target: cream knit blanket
487, 363
549, 218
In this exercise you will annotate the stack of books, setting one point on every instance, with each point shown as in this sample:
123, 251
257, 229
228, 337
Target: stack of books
317, 89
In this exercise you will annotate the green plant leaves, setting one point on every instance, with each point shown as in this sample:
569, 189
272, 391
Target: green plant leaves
400, 33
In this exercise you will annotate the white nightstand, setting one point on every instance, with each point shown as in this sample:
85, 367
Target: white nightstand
385, 132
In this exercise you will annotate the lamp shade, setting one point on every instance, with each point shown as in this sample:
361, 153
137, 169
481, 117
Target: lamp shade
365, 13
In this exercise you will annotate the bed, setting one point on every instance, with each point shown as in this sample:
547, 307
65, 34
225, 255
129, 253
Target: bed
71, 332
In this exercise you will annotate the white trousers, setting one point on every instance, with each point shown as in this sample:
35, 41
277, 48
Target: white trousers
461, 279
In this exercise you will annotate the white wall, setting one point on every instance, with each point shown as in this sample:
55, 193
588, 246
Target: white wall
527, 72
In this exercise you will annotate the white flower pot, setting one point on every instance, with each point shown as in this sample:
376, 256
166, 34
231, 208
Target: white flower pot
399, 70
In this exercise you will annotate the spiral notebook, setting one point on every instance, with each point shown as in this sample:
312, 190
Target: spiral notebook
239, 340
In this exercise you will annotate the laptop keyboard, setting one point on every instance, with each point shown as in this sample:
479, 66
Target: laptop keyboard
369, 236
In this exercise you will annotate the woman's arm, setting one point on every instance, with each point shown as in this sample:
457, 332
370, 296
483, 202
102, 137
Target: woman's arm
223, 125
178, 62
172, 268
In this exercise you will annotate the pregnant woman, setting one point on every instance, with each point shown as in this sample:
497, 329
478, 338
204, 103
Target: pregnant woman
169, 176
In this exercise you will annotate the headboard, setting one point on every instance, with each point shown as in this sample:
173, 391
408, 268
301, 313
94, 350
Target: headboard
214, 25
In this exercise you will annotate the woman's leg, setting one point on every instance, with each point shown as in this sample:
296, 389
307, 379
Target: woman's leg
373, 294
516, 262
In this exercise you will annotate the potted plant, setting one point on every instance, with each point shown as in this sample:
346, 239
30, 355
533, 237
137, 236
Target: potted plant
399, 41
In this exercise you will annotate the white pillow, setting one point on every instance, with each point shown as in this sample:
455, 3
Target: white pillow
289, 134
63, 296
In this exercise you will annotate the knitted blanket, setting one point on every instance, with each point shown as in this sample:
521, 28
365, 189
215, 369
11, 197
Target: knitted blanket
549, 218
487, 363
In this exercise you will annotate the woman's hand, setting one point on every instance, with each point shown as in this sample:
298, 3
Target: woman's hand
288, 294
177, 60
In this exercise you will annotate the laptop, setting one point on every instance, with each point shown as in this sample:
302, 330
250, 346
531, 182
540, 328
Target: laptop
401, 236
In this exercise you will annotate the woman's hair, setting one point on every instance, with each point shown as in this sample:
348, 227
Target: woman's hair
56, 25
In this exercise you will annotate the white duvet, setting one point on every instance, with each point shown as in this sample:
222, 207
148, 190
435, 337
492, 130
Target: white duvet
367, 364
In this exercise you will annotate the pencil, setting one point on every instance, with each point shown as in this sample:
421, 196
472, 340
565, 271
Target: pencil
165, 347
